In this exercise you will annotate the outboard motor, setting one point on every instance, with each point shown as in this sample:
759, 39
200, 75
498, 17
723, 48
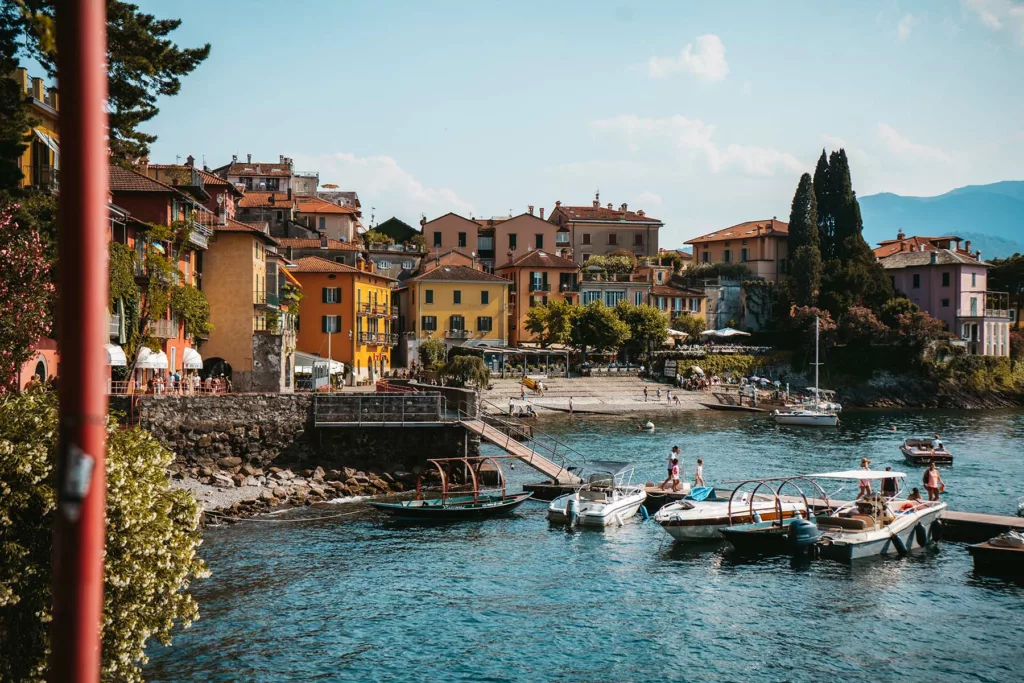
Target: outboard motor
803, 533
572, 510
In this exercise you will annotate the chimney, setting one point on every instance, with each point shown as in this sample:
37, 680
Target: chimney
967, 246
920, 247
289, 194
623, 207
270, 199
234, 158
901, 235
597, 203
531, 209
558, 203
38, 89
190, 161
21, 76
609, 205
935, 257
143, 165
323, 240
248, 158
977, 254
510, 256
542, 213
423, 221
280, 158
640, 213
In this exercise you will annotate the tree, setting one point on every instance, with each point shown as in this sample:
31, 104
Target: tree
648, 326
551, 324
918, 329
26, 294
1007, 275
805, 264
802, 322
893, 308
462, 370
432, 353
692, 325
805, 280
859, 325
143, 64
373, 238
597, 327
707, 271
15, 120
1016, 345
822, 183
612, 264
192, 309
152, 539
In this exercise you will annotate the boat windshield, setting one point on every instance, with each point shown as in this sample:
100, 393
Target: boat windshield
871, 475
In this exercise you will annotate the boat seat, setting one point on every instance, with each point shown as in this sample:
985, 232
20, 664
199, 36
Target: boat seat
852, 523
587, 494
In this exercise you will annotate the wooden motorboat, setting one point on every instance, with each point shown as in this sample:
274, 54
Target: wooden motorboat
918, 451
700, 515
786, 536
459, 494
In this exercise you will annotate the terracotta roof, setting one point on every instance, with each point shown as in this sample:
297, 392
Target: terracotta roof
313, 243
231, 225
603, 213
256, 168
451, 213
208, 177
684, 254
745, 230
887, 248
665, 290
261, 200
457, 274
317, 205
315, 264
125, 180
540, 259
943, 257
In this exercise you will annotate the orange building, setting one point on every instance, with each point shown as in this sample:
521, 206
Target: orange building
346, 315
537, 277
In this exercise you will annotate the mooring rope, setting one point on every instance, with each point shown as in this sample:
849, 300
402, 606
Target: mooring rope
281, 521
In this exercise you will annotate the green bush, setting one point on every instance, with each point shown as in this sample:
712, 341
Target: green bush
152, 537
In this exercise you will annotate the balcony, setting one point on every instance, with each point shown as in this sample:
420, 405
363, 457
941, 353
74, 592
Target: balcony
457, 334
199, 234
601, 276
43, 177
995, 305
114, 326
263, 298
540, 287
368, 337
164, 329
365, 310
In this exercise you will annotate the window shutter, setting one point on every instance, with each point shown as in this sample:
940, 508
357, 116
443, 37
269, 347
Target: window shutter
323, 324
324, 293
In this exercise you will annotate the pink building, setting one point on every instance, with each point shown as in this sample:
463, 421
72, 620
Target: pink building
950, 285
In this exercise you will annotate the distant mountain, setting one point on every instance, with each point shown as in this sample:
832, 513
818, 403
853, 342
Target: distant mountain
991, 216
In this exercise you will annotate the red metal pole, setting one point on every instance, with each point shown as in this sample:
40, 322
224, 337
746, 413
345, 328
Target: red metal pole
79, 527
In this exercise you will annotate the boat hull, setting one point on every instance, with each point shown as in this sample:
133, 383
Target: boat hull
998, 560
760, 537
599, 516
452, 510
806, 420
925, 458
704, 529
845, 546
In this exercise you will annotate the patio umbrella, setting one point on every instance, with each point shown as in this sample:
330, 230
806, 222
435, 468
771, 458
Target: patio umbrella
676, 333
696, 369
730, 332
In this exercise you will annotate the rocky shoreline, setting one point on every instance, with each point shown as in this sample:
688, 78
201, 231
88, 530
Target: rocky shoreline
908, 393
233, 490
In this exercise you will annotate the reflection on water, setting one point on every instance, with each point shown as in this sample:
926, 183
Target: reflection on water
517, 599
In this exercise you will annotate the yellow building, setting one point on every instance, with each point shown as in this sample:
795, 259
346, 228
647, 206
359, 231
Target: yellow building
253, 335
457, 304
40, 161
346, 315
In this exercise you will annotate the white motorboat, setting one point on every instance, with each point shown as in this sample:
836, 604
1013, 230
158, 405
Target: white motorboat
609, 496
920, 452
818, 412
646, 426
1020, 507
876, 524
700, 515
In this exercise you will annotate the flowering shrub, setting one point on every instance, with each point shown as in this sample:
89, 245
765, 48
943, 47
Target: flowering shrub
151, 541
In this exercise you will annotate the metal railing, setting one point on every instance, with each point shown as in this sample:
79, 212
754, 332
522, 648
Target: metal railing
540, 287
458, 334
367, 337
364, 309
164, 329
379, 409
266, 298
983, 313
199, 234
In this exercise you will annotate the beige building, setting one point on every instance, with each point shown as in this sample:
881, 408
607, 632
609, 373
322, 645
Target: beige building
321, 216
762, 246
491, 240
595, 230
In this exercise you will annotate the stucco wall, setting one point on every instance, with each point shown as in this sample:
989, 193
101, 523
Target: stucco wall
228, 282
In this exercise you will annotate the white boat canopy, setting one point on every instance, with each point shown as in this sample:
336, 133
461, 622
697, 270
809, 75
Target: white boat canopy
115, 356
676, 333
857, 474
191, 360
151, 360
724, 332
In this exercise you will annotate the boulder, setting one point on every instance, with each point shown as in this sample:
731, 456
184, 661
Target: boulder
348, 472
204, 441
250, 481
229, 462
239, 479
223, 480
318, 474
248, 470
267, 495
280, 492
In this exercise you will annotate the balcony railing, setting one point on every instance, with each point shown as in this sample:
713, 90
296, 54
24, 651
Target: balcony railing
164, 329
591, 276
540, 287
263, 298
199, 234
458, 334
367, 337
364, 309
114, 326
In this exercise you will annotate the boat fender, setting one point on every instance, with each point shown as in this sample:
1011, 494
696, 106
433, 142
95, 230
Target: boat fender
936, 530
572, 510
644, 514
901, 547
757, 516
921, 534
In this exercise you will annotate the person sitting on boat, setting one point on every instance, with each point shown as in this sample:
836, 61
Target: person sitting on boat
915, 494
890, 487
936, 443
865, 484
932, 481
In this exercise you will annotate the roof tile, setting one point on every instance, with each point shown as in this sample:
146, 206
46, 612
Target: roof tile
457, 274
745, 230
540, 259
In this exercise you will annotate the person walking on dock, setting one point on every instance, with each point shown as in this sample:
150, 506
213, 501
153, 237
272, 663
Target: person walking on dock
522, 392
673, 470
698, 478
933, 482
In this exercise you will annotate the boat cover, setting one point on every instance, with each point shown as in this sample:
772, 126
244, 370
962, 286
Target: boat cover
700, 493
608, 466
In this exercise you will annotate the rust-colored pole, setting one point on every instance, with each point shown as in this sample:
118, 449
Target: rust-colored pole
79, 527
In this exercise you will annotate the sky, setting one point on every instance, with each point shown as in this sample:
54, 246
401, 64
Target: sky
703, 114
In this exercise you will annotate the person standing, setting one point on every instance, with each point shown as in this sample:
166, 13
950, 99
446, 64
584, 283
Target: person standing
570, 405
522, 392
865, 484
645, 394
933, 482
890, 487
511, 405
673, 465
698, 479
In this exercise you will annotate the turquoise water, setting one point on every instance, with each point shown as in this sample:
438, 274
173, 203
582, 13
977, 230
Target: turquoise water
514, 599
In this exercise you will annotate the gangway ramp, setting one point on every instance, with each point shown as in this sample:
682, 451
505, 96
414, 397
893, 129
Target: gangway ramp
523, 452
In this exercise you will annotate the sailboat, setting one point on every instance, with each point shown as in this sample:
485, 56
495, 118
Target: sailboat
817, 413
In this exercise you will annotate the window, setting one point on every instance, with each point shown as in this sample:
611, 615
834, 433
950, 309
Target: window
485, 242
428, 296
590, 297
586, 238
408, 265
694, 305
248, 183
917, 281
462, 239
457, 296
323, 223
638, 239
484, 324
661, 302
384, 264
945, 279
677, 304
945, 303
974, 305
280, 215
457, 323
429, 323
612, 297
332, 295
272, 184
613, 239
437, 239
661, 276
743, 255
511, 240
561, 238
539, 240
638, 297
485, 297
974, 279
330, 323
565, 282
705, 257
727, 256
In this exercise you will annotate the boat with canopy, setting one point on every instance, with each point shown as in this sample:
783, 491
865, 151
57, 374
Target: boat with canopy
701, 514
607, 497
454, 489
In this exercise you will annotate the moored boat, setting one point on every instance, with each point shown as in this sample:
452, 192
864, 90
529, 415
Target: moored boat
609, 496
794, 535
700, 515
1001, 556
918, 451
815, 413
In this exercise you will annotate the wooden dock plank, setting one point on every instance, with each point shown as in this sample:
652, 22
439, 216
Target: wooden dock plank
524, 453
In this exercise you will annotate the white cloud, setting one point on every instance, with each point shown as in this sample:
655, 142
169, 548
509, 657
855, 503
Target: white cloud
647, 199
748, 88
857, 155
697, 138
999, 14
904, 148
706, 61
905, 26
390, 188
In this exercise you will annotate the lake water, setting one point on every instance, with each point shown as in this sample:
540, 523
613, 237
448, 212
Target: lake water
360, 598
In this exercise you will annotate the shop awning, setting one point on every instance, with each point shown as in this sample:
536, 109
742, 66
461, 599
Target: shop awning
191, 360
47, 140
151, 360
304, 363
115, 356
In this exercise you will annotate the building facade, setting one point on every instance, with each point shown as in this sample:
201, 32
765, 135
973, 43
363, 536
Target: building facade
40, 162
321, 217
761, 246
597, 230
345, 253
537, 278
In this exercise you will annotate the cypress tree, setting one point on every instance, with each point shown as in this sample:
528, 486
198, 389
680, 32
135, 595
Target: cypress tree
822, 186
805, 254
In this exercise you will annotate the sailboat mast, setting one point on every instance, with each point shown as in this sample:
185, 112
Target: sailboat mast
816, 364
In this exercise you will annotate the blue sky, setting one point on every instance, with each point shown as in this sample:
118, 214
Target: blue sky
702, 114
